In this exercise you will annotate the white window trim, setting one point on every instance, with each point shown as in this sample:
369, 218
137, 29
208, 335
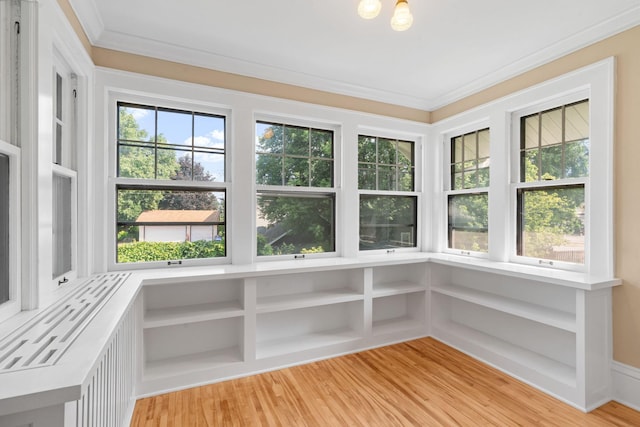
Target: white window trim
14, 305
114, 181
69, 157
597, 82
446, 179
418, 179
288, 120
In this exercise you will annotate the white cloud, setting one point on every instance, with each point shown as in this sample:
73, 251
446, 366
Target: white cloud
139, 113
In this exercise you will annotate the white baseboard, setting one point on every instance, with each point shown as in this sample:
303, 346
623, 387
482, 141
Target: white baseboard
626, 385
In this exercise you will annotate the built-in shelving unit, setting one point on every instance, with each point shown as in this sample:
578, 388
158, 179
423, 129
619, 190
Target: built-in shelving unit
548, 328
549, 334
219, 326
399, 299
192, 326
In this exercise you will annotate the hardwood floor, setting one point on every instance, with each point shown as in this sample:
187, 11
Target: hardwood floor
417, 383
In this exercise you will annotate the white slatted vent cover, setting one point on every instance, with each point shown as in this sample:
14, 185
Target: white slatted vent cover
44, 339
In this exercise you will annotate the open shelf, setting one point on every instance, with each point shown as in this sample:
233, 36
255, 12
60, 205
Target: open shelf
397, 288
396, 325
461, 336
290, 331
198, 301
292, 344
306, 299
192, 362
192, 313
537, 313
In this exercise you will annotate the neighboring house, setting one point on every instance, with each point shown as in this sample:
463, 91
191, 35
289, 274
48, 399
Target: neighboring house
178, 225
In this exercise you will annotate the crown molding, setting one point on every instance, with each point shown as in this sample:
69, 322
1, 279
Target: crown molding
622, 22
87, 13
199, 58
90, 18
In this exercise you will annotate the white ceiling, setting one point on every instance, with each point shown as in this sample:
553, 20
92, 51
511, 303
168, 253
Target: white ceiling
453, 49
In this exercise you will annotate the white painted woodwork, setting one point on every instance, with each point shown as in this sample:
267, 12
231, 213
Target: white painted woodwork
166, 329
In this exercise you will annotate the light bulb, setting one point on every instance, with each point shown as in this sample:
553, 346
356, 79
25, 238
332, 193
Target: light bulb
369, 9
402, 17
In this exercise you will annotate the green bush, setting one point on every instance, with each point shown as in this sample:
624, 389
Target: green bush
165, 251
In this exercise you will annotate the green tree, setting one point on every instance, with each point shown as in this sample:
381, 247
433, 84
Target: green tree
139, 161
190, 200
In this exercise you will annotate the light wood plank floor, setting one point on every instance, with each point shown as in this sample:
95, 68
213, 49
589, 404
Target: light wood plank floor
417, 383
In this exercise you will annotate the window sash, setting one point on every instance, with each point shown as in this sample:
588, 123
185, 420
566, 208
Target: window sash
5, 226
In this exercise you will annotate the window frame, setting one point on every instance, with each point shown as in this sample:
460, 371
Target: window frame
517, 185
450, 192
114, 182
306, 191
67, 164
14, 304
416, 193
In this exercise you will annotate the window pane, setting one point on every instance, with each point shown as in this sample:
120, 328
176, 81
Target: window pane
386, 178
294, 224
577, 159
62, 205
269, 169
551, 223
551, 162
577, 121
551, 127
483, 144
136, 162
456, 151
175, 128
4, 229
321, 173
386, 151
208, 167
530, 131
168, 166
469, 222
406, 180
405, 153
296, 141
208, 131
321, 143
270, 138
387, 222
483, 177
169, 224
367, 177
470, 146
529, 166
367, 149
296, 172
58, 96
136, 123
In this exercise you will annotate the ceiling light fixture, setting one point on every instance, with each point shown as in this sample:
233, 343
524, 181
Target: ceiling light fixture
369, 9
401, 19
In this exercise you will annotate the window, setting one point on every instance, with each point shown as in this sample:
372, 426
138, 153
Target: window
468, 196
386, 173
4, 229
296, 196
10, 291
554, 168
170, 190
64, 179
